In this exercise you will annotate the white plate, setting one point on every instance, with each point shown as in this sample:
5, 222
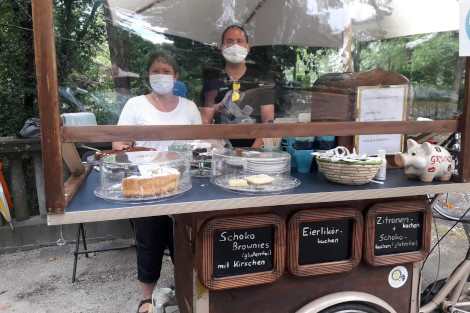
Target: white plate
118, 196
266, 165
282, 183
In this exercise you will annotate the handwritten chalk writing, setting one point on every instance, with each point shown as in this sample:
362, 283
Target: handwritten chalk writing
382, 246
398, 233
234, 236
243, 251
256, 254
411, 225
308, 231
237, 246
222, 266
328, 240
384, 237
325, 241
389, 220
250, 263
398, 244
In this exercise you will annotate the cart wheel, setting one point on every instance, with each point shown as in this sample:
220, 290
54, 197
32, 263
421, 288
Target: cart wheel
350, 308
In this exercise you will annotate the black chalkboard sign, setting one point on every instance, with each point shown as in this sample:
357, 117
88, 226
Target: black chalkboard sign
325, 241
398, 233
243, 251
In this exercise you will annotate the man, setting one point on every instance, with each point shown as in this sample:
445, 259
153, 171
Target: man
241, 89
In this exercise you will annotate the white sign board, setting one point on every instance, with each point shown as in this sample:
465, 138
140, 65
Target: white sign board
464, 28
380, 104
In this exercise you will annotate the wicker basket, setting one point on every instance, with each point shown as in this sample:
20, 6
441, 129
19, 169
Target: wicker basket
358, 173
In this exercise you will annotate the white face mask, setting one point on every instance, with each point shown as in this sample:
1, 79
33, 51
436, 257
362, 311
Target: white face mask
235, 53
162, 84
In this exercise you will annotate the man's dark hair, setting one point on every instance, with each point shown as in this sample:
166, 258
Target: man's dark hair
163, 57
236, 27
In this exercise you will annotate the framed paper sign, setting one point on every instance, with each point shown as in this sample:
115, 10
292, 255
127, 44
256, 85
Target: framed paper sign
380, 104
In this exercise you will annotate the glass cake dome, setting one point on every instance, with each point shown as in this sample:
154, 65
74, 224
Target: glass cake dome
199, 153
250, 170
143, 176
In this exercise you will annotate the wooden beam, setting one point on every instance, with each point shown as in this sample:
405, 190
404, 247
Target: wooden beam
464, 158
74, 181
48, 97
177, 132
71, 158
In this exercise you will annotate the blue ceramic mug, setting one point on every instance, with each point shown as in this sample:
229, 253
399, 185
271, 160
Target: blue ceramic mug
304, 159
288, 141
290, 150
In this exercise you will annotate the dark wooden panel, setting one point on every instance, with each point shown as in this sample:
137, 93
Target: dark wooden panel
184, 233
48, 97
397, 224
289, 293
113, 132
464, 164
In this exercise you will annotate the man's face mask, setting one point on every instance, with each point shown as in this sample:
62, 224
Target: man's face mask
162, 84
235, 53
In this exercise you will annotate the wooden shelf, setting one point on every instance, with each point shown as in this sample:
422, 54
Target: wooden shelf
204, 196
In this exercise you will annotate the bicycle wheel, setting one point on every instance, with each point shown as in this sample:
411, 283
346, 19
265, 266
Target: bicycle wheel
350, 308
454, 206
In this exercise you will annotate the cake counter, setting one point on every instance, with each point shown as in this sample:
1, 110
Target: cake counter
205, 196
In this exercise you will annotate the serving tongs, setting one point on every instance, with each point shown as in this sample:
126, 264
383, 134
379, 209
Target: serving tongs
90, 148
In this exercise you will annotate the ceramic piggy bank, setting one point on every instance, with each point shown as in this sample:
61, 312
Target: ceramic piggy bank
426, 161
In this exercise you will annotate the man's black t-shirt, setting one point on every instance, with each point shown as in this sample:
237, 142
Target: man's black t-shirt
255, 91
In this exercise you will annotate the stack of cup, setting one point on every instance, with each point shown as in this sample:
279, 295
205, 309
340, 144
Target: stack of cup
303, 149
324, 143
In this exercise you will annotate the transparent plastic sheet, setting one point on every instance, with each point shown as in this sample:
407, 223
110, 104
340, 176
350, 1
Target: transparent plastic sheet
295, 23
300, 50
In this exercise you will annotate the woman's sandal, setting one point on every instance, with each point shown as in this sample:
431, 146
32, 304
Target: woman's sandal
141, 303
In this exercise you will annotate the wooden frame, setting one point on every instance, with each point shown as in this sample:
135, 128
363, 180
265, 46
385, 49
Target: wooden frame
396, 207
206, 242
404, 113
322, 215
53, 135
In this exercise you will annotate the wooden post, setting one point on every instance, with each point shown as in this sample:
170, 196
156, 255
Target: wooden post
464, 158
48, 97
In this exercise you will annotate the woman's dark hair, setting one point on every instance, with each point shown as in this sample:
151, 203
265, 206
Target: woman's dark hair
236, 27
163, 57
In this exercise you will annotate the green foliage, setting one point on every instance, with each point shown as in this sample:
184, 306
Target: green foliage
17, 75
426, 59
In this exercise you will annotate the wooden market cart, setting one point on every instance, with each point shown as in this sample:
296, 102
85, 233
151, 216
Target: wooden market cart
209, 276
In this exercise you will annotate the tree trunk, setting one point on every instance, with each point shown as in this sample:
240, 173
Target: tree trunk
456, 83
356, 56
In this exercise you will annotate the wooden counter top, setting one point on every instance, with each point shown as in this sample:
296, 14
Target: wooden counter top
204, 196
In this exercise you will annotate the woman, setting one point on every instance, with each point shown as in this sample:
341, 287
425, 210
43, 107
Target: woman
160, 107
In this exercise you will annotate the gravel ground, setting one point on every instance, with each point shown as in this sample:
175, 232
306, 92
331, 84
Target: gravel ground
39, 280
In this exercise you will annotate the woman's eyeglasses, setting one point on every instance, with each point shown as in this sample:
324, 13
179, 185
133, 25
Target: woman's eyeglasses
235, 93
